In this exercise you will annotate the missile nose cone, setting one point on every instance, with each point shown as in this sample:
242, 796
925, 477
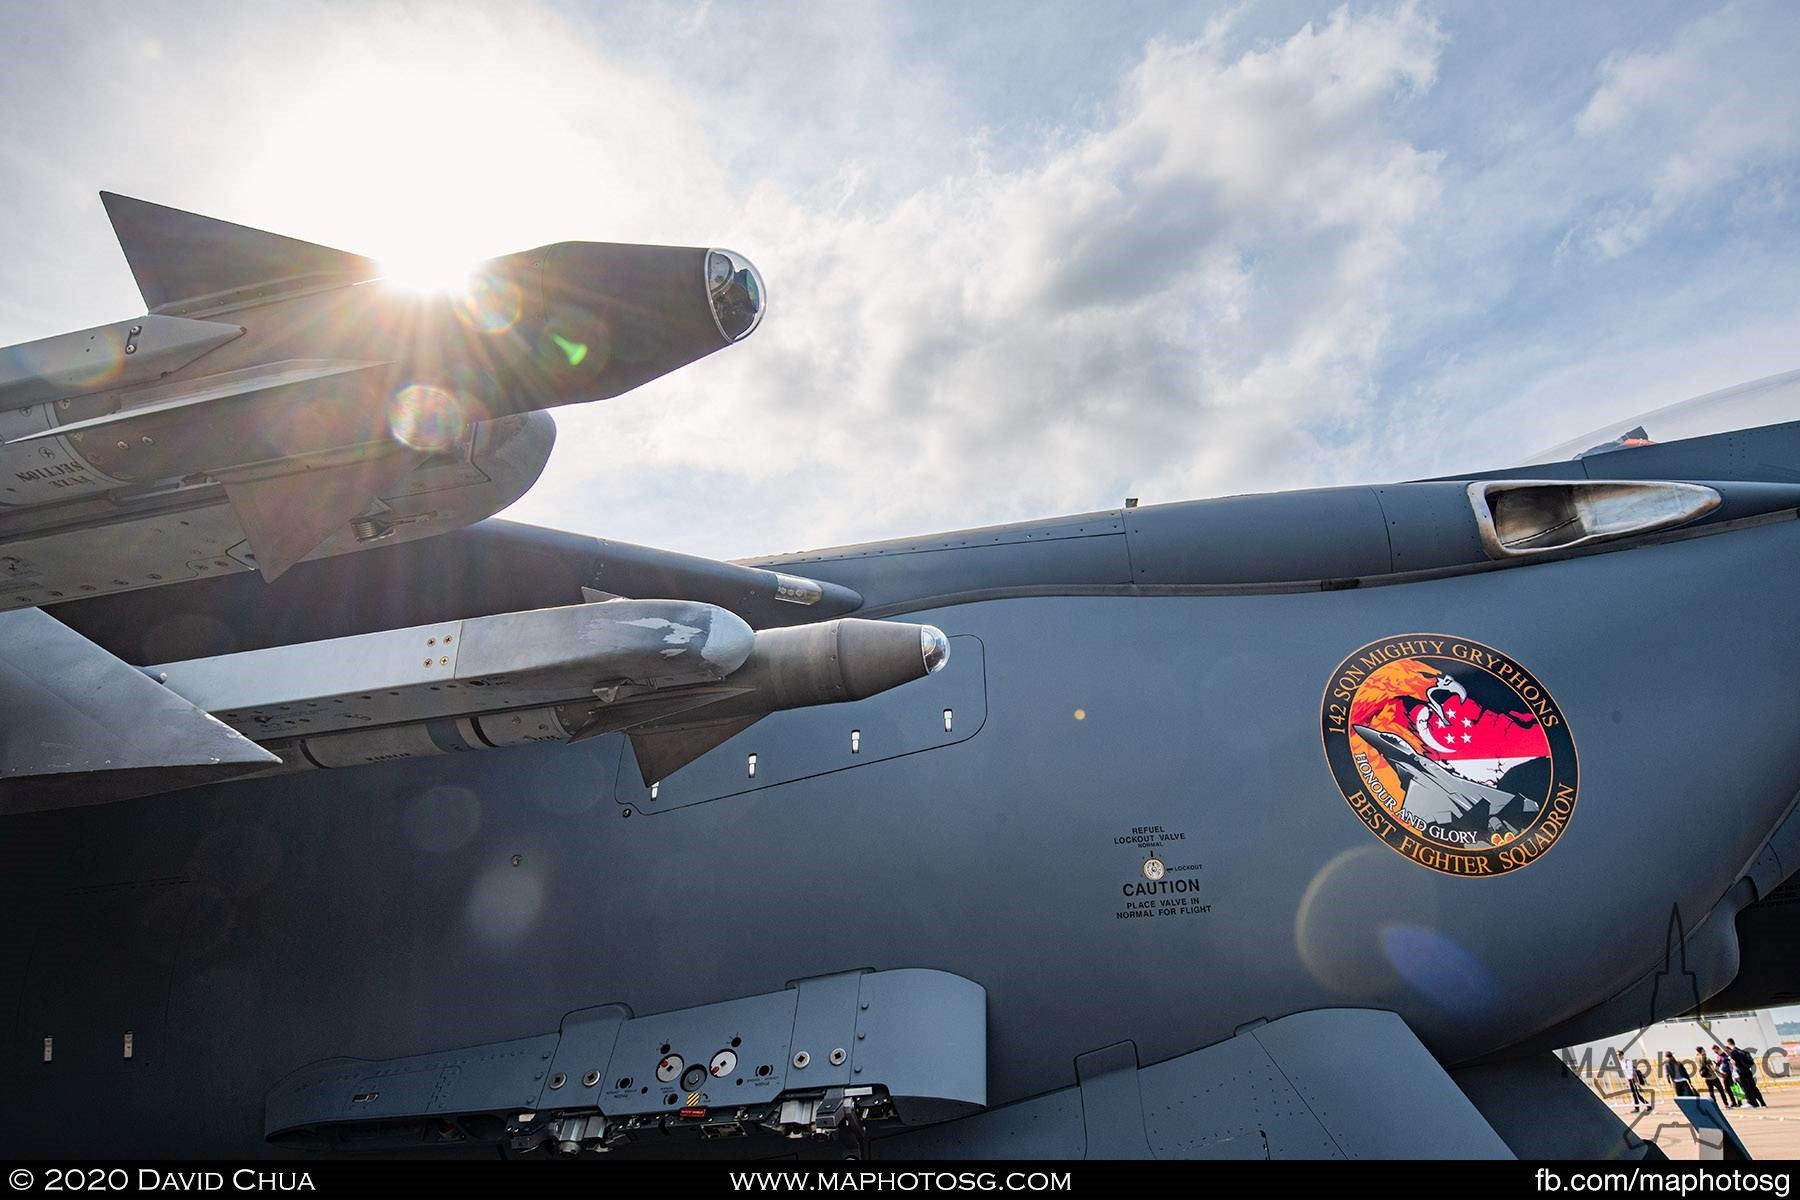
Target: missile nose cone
735, 289
729, 640
935, 647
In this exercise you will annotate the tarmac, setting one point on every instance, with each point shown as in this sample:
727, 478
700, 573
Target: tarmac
1767, 1133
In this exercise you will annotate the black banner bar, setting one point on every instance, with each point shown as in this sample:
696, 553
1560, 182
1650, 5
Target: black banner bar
776, 1177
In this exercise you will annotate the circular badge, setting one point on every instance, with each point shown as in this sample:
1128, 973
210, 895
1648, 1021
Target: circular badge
1154, 869
1451, 752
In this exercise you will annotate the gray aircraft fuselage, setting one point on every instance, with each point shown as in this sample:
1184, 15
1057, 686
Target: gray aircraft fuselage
1145, 683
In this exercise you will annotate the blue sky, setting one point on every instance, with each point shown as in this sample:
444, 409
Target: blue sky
1023, 259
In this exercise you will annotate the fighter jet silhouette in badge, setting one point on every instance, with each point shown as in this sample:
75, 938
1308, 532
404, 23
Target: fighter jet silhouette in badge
1438, 795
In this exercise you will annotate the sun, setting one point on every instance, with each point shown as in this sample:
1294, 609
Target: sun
427, 270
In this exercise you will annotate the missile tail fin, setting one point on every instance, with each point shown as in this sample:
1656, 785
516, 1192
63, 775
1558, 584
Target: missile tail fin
662, 752
79, 726
183, 261
286, 517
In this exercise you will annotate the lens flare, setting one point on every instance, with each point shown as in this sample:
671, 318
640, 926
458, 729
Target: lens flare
102, 360
490, 305
1438, 968
1337, 927
426, 417
567, 341
504, 904
572, 350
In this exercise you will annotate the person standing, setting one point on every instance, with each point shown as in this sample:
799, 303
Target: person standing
1709, 1075
1746, 1073
1676, 1072
1727, 1076
1633, 1077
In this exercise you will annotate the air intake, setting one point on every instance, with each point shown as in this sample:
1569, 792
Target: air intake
1521, 516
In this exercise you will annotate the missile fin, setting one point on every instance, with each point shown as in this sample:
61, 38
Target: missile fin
286, 517
662, 752
658, 710
183, 261
289, 379
79, 726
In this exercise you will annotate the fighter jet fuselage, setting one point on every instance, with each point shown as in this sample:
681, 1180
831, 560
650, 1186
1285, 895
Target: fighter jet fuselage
1292, 825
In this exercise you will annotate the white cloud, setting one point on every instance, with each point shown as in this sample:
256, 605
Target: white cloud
1693, 119
1173, 301
1249, 259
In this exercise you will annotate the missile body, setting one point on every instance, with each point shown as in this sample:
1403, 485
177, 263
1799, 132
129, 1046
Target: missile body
369, 366
669, 672
293, 384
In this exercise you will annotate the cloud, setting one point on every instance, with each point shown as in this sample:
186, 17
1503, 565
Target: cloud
1016, 269
1193, 294
1702, 116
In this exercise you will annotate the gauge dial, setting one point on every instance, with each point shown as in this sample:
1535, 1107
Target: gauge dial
723, 1064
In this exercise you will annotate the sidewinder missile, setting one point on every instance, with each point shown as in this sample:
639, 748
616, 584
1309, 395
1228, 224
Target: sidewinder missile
679, 676
313, 400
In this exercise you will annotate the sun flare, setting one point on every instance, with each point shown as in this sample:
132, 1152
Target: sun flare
427, 271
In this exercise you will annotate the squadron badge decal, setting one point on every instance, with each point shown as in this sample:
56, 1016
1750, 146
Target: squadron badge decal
1450, 752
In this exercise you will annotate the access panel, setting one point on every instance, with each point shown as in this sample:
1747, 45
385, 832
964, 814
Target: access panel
836, 1056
